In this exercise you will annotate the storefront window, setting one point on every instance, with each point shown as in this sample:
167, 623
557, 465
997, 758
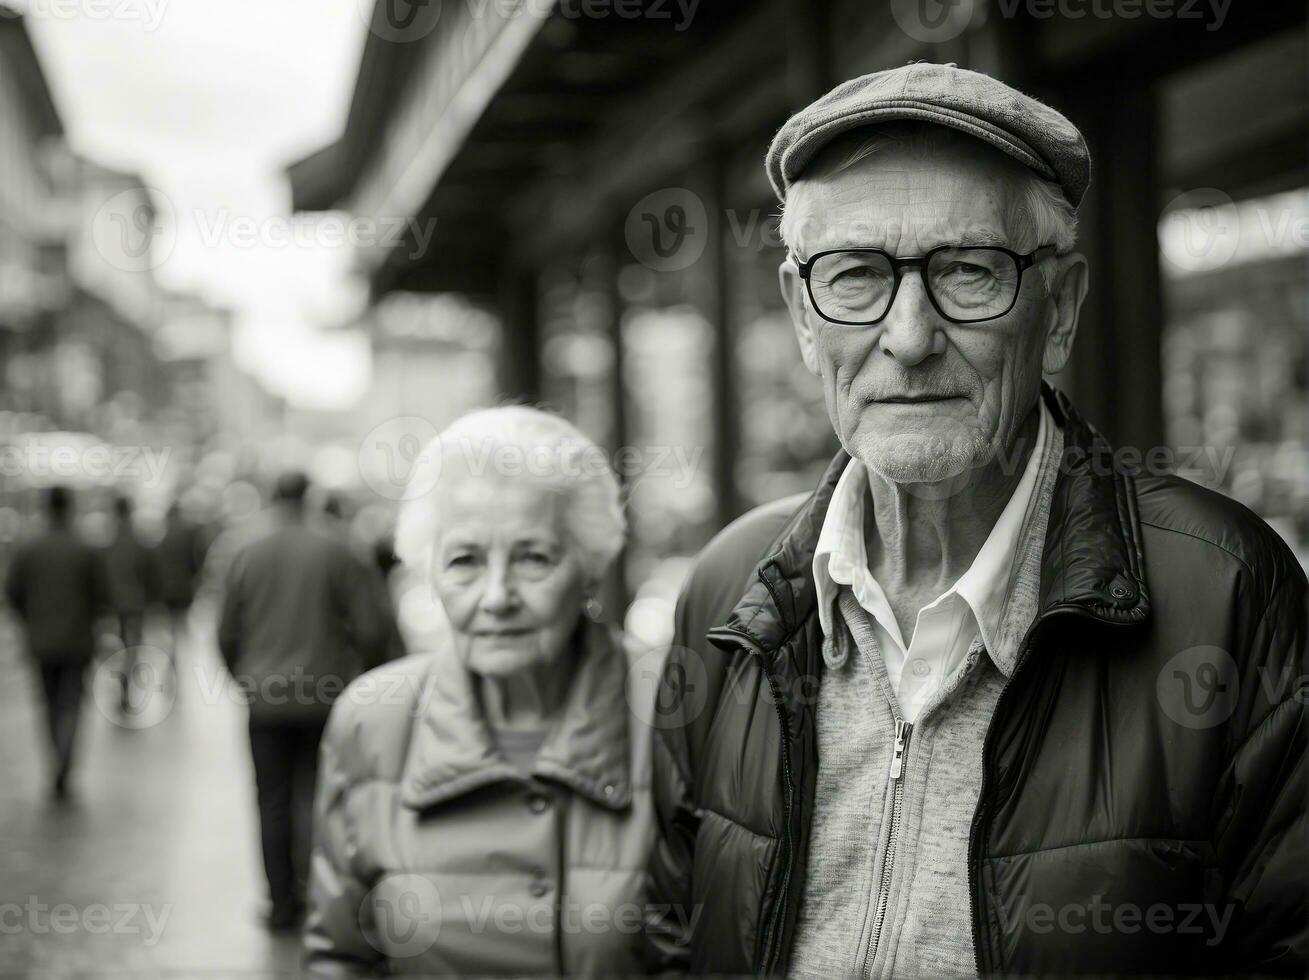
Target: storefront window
1236, 351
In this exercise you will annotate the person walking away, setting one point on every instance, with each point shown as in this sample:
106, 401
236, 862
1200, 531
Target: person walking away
299, 622
178, 558
128, 573
55, 587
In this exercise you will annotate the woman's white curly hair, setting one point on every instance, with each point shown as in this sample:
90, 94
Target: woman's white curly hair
516, 442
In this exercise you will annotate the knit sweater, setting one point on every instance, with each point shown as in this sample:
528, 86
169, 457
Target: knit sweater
886, 890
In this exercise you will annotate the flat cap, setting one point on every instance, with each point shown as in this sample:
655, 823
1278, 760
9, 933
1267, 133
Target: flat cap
1016, 124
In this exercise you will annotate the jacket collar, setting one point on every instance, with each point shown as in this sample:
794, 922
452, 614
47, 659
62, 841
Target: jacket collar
1092, 560
453, 753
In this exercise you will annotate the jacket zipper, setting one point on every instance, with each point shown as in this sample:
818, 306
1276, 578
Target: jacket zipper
561, 832
982, 815
902, 732
773, 953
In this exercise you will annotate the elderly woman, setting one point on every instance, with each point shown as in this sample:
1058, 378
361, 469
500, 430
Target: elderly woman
484, 808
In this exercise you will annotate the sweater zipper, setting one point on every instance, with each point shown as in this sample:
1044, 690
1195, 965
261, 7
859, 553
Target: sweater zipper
896, 783
773, 953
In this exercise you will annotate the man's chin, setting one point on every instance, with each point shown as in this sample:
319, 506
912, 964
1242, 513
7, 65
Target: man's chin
918, 460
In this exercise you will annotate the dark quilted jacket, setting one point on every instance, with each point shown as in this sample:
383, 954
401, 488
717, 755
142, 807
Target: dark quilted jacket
1148, 756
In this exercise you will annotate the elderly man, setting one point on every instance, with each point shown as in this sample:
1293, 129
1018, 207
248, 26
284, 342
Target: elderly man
983, 703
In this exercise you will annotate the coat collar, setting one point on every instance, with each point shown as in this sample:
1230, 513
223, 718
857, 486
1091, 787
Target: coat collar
1092, 560
452, 751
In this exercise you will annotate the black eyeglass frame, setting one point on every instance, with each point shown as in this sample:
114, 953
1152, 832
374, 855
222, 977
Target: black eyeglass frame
1022, 262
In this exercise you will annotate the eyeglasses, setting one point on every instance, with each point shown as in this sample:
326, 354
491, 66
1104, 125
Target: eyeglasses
965, 283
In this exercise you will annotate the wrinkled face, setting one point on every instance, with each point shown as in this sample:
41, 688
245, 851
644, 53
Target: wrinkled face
511, 585
917, 398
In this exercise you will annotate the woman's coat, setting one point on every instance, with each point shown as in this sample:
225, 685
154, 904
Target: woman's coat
433, 855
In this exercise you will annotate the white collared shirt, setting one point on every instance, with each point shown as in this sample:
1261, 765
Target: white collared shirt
946, 627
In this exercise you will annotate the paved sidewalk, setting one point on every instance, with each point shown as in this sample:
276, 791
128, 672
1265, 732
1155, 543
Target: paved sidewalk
153, 870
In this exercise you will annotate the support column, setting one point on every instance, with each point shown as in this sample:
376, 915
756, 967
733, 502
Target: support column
809, 61
617, 595
1116, 369
520, 344
723, 372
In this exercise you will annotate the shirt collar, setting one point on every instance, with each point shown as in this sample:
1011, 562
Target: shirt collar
841, 539
452, 751
987, 583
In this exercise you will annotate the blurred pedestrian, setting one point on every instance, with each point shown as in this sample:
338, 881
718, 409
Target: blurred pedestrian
55, 586
178, 558
382, 560
334, 511
129, 575
299, 621
502, 772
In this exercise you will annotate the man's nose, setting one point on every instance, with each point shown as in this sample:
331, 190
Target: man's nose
911, 331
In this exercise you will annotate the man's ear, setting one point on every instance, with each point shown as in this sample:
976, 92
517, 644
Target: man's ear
793, 292
1066, 297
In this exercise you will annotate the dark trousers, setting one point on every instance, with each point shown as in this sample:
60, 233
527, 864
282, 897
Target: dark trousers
286, 768
61, 682
131, 628
177, 619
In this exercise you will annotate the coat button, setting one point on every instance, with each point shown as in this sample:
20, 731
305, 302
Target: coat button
538, 803
538, 888
1121, 592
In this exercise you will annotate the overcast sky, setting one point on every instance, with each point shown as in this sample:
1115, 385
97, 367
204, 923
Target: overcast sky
208, 100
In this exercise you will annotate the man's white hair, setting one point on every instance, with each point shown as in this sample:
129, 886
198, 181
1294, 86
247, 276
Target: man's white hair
1038, 213
516, 443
